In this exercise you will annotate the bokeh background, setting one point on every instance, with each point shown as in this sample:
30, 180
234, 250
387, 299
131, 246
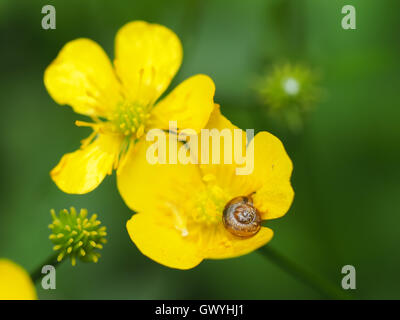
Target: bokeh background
346, 161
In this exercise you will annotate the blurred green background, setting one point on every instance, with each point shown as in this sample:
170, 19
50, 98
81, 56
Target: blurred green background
346, 162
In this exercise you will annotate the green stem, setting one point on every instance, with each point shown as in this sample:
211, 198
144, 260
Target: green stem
318, 283
36, 275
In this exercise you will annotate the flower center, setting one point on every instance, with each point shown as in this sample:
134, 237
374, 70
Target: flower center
210, 204
291, 86
76, 235
130, 119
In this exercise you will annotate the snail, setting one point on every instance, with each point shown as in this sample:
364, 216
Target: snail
241, 218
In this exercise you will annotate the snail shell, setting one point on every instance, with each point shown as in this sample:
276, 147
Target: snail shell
241, 218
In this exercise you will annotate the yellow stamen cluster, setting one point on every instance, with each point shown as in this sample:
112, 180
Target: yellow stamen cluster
130, 119
210, 204
76, 236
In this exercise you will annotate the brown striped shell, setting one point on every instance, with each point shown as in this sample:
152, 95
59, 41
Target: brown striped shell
241, 218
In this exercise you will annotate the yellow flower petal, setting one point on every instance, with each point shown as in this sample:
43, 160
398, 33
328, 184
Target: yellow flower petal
274, 199
15, 283
222, 244
157, 239
190, 104
82, 171
273, 168
82, 77
147, 58
270, 178
149, 187
225, 174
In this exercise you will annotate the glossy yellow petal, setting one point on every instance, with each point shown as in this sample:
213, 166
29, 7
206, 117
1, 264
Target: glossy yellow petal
82, 77
147, 56
269, 173
82, 171
272, 169
189, 104
15, 283
221, 244
274, 199
225, 174
147, 187
157, 239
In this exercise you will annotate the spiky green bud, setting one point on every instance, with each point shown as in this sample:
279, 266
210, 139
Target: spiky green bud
76, 236
289, 91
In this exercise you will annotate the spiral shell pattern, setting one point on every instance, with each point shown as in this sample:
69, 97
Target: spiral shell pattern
241, 218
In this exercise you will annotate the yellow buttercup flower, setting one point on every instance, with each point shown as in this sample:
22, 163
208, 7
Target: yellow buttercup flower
15, 283
180, 216
122, 100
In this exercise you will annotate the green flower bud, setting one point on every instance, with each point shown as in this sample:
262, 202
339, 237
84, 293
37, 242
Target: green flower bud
76, 236
289, 92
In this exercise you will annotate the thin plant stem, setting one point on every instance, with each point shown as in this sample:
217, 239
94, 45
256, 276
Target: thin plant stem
318, 283
36, 275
